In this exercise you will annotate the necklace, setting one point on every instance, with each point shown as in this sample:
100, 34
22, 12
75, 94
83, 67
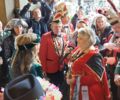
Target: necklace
58, 44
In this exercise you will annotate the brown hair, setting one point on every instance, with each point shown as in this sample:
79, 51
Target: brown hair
23, 61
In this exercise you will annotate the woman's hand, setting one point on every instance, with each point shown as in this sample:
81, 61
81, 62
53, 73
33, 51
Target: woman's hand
1, 96
117, 79
110, 60
70, 80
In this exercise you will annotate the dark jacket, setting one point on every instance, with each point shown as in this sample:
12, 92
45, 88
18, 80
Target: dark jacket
40, 27
3, 35
7, 51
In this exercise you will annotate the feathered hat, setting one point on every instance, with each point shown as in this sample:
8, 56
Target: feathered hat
57, 17
61, 7
24, 42
27, 41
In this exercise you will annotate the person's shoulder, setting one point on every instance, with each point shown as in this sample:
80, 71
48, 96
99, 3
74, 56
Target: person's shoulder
96, 58
47, 34
42, 20
97, 55
30, 20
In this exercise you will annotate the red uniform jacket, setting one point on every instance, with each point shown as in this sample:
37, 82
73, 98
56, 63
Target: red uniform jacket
93, 76
48, 57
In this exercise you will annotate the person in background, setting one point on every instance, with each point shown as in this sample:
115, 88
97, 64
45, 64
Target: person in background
39, 21
51, 51
114, 60
62, 9
104, 33
16, 27
26, 49
79, 24
88, 79
117, 78
16, 13
79, 15
67, 25
3, 34
52, 4
103, 30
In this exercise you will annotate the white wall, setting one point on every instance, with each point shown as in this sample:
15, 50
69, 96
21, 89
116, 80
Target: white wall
9, 6
24, 2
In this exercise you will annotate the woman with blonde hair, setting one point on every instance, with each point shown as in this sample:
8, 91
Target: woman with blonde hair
88, 78
102, 29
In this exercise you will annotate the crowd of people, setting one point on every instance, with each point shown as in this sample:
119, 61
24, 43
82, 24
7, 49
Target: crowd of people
80, 55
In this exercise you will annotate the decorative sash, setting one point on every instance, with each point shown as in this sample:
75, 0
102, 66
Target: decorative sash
76, 89
58, 44
98, 74
77, 84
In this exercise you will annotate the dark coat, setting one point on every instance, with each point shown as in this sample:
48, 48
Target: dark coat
41, 26
7, 51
